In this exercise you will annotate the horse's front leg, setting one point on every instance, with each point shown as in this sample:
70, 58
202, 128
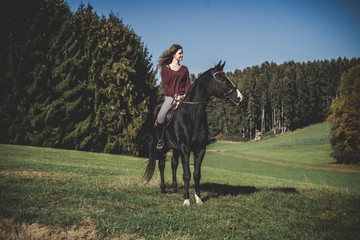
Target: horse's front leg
185, 155
198, 158
174, 165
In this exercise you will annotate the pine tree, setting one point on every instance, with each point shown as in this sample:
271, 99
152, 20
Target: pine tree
288, 94
262, 85
302, 103
126, 89
274, 98
68, 115
46, 25
22, 50
314, 92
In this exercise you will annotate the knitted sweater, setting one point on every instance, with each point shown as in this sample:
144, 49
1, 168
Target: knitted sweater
175, 82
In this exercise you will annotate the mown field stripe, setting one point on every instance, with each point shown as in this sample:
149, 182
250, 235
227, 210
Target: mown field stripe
306, 175
285, 163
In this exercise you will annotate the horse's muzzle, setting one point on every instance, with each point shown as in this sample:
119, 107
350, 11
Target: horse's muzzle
239, 98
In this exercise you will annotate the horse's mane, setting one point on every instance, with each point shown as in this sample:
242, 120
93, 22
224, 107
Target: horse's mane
201, 78
205, 76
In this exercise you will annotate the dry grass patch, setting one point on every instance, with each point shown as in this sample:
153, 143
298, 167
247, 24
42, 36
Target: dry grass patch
85, 231
13, 231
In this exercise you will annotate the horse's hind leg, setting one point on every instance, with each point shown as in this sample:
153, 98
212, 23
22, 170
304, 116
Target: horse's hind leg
161, 165
198, 158
174, 165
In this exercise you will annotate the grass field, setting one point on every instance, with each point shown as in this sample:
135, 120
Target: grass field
283, 187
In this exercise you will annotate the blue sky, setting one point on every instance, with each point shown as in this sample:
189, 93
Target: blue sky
244, 33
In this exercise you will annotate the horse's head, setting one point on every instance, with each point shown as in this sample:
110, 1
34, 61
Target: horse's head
225, 88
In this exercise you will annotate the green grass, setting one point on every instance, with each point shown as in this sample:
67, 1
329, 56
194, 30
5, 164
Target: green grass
301, 158
282, 187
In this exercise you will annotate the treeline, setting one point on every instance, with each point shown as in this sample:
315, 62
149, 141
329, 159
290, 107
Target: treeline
73, 80
278, 98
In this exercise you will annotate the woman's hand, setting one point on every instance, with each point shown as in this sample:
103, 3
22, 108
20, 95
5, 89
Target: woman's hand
179, 97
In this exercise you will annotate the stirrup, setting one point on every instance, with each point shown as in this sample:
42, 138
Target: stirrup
160, 144
212, 139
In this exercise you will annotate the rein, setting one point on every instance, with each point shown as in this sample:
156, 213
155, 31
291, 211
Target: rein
195, 103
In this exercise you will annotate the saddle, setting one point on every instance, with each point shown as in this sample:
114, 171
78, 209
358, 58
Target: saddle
169, 116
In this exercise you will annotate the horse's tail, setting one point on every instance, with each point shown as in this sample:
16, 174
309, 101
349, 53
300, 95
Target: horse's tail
150, 168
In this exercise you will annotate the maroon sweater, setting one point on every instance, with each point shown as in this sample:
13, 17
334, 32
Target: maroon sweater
175, 82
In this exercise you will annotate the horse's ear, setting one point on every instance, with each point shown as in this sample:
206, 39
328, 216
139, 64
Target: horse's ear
218, 66
222, 66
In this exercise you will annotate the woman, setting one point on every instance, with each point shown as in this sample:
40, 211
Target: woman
176, 83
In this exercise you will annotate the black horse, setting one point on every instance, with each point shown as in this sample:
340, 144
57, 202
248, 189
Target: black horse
188, 131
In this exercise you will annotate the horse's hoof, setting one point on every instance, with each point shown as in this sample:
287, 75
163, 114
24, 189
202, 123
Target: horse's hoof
198, 200
187, 202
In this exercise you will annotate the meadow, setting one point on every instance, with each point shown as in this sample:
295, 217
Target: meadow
282, 187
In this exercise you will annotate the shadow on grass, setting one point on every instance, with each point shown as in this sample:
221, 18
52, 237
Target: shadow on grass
215, 190
283, 190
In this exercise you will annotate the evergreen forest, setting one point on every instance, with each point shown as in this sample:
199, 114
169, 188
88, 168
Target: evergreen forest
77, 80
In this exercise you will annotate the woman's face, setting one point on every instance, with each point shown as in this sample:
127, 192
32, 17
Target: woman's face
178, 56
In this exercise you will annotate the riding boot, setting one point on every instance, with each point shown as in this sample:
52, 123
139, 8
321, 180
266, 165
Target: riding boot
161, 131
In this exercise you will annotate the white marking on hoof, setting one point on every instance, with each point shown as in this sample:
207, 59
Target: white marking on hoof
198, 200
187, 202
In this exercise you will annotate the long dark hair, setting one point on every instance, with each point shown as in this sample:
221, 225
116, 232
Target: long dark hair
167, 56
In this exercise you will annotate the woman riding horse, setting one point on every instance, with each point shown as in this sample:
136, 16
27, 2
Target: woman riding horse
188, 130
176, 83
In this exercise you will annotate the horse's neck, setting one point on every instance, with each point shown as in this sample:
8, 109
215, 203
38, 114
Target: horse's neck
199, 92
199, 97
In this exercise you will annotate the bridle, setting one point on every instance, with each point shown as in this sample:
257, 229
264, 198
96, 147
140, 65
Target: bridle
226, 94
